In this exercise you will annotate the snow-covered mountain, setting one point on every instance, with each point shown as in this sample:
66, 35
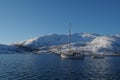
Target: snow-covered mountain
86, 42
102, 44
55, 39
105, 44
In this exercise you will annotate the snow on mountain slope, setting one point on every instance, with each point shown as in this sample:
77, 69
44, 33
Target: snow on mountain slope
105, 44
55, 39
83, 41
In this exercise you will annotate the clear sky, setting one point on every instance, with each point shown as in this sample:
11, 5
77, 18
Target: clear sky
24, 19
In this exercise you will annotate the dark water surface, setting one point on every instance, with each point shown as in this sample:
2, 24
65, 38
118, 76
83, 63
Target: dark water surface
52, 67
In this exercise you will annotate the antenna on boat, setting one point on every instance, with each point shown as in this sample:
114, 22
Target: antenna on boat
69, 37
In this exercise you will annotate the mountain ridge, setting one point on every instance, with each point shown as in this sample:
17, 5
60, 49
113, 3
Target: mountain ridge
88, 42
57, 39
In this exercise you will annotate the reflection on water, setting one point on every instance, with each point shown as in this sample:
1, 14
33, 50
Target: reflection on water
51, 67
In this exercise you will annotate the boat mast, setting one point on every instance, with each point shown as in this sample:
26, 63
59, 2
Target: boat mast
69, 37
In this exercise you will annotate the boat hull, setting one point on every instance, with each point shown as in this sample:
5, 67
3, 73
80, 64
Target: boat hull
69, 56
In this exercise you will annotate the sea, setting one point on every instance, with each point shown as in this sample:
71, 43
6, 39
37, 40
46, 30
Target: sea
53, 67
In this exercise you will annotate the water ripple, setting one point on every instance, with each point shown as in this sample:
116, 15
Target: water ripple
51, 67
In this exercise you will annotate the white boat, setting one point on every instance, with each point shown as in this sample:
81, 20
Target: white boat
71, 54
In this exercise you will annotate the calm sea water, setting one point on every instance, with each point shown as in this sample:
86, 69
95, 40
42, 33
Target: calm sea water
52, 67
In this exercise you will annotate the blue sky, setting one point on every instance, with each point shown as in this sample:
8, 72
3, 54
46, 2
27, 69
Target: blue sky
24, 19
